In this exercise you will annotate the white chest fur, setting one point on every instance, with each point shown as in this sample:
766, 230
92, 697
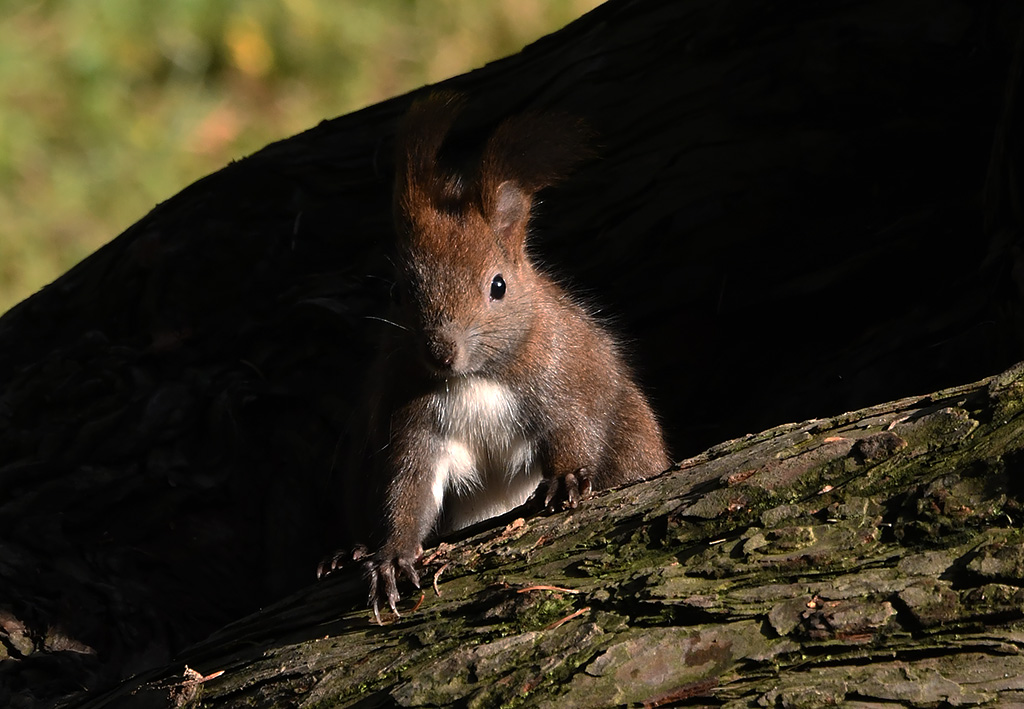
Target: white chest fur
486, 464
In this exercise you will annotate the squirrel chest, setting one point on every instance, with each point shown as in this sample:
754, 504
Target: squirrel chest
484, 462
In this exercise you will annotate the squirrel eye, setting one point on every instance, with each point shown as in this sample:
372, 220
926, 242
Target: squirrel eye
497, 287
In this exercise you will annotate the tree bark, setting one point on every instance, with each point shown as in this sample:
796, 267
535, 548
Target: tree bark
796, 211
874, 558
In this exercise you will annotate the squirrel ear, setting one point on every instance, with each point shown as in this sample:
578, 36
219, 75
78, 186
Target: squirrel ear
535, 150
525, 154
510, 211
421, 183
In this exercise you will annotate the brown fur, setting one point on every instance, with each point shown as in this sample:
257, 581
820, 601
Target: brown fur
574, 402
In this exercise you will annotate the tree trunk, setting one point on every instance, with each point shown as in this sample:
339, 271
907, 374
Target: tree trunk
798, 210
873, 557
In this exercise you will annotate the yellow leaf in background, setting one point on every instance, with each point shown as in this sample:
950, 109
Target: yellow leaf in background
250, 51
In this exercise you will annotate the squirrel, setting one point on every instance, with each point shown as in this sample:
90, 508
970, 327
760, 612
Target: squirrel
494, 383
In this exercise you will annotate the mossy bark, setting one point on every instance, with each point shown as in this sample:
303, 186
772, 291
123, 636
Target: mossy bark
872, 558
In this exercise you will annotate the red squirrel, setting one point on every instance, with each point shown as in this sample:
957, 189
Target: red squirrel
494, 383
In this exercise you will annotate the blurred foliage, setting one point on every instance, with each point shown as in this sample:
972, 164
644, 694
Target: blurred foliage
110, 106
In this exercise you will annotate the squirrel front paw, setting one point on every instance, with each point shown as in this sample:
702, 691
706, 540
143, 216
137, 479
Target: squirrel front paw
382, 571
566, 491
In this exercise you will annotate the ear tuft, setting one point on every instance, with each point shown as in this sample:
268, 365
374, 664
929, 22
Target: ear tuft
419, 178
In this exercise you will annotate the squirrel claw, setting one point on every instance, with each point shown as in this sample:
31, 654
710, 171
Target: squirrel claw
339, 559
568, 491
383, 572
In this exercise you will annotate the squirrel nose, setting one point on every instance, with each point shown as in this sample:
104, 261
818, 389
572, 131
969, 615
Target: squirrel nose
441, 352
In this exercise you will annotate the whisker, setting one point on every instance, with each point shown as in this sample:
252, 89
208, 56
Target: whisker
385, 320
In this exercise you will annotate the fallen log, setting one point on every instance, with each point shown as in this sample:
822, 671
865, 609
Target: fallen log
873, 557
796, 212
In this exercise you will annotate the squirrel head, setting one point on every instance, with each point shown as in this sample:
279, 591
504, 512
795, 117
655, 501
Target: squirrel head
470, 290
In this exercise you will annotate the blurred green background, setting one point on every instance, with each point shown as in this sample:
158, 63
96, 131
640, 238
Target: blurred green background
108, 107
